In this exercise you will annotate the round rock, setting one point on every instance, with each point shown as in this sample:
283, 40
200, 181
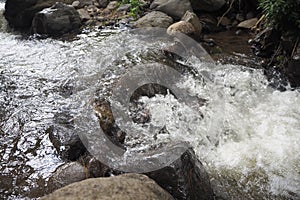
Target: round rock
123, 187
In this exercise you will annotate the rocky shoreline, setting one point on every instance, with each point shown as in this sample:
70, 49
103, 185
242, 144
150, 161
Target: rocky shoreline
185, 178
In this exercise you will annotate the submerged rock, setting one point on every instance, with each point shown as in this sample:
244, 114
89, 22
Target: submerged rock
154, 19
56, 20
173, 8
123, 187
19, 13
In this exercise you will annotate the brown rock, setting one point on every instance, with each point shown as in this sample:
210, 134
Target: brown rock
123, 187
182, 27
194, 20
249, 23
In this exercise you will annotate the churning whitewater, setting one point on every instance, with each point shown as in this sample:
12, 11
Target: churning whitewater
247, 134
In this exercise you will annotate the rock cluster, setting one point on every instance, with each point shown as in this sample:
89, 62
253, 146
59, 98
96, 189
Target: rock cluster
190, 16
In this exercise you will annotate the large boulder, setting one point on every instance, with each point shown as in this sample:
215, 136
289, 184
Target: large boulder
207, 5
56, 20
173, 8
154, 19
19, 13
123, 187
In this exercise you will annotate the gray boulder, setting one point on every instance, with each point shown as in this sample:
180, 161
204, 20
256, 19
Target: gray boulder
207, 5
154, 19
19, 13
173, 8
123, 187
56, 20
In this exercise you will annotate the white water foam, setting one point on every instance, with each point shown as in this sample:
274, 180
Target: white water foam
252, 150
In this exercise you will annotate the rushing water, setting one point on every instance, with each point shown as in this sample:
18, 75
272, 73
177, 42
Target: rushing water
248, 139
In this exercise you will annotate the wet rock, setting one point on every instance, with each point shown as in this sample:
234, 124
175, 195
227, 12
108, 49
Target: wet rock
123, 187
19, 13
94, 168
64, 139
56, 20
207, 5
194, 20
249, 23
107, 122
66, 174
265, 42
173, 8
182, 27
154, 19
185, 178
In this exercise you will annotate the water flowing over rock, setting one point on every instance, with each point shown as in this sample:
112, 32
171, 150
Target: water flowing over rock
56, 20
173, 8
66, 142
154, 19
185, 178
207, 5
123, 187
19, 13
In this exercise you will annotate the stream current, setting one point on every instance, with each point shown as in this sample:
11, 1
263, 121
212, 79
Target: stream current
248, 140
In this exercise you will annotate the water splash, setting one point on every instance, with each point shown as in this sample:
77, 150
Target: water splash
249, 145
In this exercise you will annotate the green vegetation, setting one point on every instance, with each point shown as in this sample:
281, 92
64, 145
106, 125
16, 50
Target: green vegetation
134, 7
284, 14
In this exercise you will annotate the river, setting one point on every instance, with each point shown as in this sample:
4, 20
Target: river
248, 140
